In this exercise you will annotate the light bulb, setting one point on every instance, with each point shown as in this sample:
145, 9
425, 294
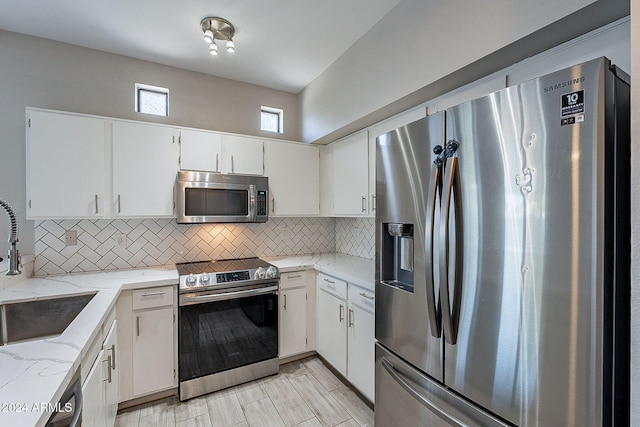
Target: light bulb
213, 49
208, 36
231, 46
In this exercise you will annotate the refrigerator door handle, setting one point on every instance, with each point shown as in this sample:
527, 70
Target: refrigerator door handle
404, 383
435, 194
451, 312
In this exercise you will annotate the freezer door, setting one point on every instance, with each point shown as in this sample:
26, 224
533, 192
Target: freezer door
407, 398
530, 188
406, 308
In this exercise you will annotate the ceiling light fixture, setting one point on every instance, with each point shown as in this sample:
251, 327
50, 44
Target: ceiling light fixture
215, 28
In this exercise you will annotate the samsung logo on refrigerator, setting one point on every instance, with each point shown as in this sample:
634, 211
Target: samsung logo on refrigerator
564, 84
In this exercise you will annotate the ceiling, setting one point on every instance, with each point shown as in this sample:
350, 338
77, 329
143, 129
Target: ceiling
281, 44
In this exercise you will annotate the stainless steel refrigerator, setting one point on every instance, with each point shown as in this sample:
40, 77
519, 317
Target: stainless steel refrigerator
502, 258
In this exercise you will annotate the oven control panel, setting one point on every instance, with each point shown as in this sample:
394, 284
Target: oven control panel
234, 276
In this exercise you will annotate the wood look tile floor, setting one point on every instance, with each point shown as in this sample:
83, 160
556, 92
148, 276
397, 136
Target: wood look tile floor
304, 394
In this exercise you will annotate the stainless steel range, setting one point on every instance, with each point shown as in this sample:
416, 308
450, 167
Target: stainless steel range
228, 324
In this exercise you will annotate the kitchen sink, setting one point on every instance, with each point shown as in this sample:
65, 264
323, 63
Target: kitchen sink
29, 320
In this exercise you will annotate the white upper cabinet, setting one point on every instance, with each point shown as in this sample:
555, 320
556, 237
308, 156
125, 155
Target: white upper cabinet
145, 164
351, 175
218, 152
294, 173
242, 155
65, 166
200, 150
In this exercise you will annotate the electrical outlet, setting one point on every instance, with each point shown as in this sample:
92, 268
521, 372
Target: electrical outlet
70, 238
121, 240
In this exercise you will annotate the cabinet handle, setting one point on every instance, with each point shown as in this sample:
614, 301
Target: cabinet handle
362, 294
137, 326
217, 167
341, 313
273, 205
232, 168
329, 281
153, 294
108, 361
113, 356
364, 204
96, 204
118, 203
373, 203
285, 301
350, 317
297, 276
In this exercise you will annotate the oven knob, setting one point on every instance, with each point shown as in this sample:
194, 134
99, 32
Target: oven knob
259, 274
204, 279
191, 280
271, 272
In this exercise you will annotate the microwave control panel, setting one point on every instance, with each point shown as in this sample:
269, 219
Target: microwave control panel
261, 205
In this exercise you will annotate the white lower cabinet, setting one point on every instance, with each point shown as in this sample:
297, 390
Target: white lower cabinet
100, 386
296, 331
148, 350
332, 330
360, 354
94, 411
293, 322
346, 330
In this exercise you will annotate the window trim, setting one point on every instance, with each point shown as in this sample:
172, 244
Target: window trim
271, 110
155, 89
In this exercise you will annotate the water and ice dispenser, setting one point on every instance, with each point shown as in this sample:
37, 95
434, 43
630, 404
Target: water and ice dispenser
397, 255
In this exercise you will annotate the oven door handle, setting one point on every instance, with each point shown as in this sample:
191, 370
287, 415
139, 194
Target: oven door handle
222, 296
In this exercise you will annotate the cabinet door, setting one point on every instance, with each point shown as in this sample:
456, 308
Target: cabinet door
145, 164
242, 155
361, 357
294, 178
153, 350
110, 349
293, 322
200, 151
93, 405
351, 175
65, 166
332, 330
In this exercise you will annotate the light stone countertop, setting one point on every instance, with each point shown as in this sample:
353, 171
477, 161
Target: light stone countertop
353, 269
37, 372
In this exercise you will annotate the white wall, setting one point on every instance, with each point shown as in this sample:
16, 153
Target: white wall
417, 43
42, 73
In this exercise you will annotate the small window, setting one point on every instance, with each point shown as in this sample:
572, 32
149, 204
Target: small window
152, 100
271, 119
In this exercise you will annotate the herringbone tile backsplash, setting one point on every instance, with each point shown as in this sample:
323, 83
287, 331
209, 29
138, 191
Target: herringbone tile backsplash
356, 236
151, 242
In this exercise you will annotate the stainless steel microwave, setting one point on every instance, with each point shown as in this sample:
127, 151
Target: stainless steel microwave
214, 197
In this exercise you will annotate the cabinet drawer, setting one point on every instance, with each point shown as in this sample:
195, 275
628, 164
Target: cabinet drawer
153, 297
362, 297
332, 285
293, 279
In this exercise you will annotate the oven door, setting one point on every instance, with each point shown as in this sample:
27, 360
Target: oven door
203, 202
226, 330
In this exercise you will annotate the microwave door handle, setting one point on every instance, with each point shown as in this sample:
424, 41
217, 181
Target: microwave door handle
252, 203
